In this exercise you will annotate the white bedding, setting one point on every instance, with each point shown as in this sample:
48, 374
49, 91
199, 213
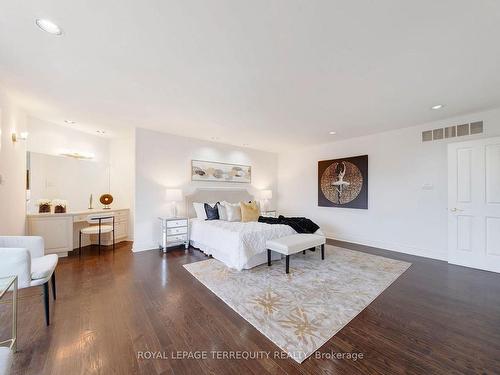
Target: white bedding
236, 244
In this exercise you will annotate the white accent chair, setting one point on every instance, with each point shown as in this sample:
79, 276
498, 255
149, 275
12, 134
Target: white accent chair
24, 256
5, 360
99, 226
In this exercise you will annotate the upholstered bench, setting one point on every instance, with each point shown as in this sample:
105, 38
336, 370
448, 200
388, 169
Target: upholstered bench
293, 244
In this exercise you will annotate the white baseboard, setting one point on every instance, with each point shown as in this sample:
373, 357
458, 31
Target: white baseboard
144, 247
405, 249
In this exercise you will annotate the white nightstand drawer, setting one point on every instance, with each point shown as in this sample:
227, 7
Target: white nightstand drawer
177, 238
176, 223
178, 230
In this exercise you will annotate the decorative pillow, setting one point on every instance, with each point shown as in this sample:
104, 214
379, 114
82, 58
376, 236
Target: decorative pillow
212, 212
233, 211
222, 211
200, 210
249, 211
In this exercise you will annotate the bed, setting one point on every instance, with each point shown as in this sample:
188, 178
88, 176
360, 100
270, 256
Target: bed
236, 244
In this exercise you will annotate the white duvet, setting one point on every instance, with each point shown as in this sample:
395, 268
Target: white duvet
236, 244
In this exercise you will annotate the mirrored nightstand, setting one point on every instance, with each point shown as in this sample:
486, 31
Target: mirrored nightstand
174, 232
270, 213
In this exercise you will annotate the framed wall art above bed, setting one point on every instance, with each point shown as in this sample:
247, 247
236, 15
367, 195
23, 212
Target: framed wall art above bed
221, 172
343, 182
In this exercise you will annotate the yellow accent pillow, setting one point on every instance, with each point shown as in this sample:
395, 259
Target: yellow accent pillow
249, 211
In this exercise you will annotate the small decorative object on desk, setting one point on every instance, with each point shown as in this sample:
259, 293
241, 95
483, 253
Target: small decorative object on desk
59, 206
174, 232
91, 199
44, 205
106, 200
271, 213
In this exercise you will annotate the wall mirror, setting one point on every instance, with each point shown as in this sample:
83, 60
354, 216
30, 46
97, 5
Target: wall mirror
67, 178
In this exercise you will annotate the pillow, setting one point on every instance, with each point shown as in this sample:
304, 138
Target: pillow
222, 211
233, 211
200, 210
249, 211
212, 212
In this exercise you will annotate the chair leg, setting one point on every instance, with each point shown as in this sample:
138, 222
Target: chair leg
80, 245
288, 264
322, 251
53, 279
99, 242
268, 257
46, 302
113, 240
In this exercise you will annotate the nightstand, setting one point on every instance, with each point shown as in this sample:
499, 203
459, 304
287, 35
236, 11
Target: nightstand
174, 232
270, 213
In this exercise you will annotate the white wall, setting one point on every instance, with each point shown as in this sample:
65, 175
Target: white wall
122, 174
401, 216
12, 168
48, 138
164, 160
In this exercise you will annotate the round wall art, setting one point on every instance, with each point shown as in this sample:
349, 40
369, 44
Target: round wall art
343, 182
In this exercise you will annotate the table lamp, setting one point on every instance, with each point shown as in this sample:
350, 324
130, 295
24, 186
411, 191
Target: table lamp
173, 196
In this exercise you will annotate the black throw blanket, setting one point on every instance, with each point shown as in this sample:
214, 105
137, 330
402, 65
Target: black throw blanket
300, 224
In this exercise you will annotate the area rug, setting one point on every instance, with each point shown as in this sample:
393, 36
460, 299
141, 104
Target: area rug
300, 311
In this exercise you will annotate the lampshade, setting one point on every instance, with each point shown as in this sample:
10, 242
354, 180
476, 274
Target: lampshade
266, 194
173, 195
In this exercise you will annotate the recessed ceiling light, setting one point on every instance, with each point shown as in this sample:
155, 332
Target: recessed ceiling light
437, 106
214, 138
246, 144
333, 133
48, 26
102, 132
70, 122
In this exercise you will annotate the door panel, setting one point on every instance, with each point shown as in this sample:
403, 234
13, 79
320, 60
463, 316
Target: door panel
474, 204
493, 173
464, 175
493, 236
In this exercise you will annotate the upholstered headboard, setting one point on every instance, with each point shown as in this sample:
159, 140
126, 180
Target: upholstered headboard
212, 195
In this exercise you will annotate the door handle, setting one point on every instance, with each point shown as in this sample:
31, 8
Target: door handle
454, 209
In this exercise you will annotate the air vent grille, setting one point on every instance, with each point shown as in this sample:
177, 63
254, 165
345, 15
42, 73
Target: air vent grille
453, 131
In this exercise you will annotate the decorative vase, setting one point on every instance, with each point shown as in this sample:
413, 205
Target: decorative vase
44, 208
59, 209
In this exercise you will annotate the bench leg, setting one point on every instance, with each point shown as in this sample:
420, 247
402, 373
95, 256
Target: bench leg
288, 264
268, 257
322, 251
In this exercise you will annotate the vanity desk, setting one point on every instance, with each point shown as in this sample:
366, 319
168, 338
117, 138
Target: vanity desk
60, 231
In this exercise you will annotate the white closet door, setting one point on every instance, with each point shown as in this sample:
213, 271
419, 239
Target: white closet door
474, 204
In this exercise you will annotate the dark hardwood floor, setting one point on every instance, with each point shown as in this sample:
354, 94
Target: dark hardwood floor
435, 319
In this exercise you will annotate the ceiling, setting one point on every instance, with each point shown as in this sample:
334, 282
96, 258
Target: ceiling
274, 74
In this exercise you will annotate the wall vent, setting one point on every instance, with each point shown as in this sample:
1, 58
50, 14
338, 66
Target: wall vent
453, 131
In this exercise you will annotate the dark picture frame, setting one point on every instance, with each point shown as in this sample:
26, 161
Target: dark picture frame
343, 182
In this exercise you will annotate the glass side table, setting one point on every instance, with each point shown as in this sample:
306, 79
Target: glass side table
6, 284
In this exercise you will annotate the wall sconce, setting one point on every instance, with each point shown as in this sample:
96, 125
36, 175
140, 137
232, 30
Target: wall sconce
22, 136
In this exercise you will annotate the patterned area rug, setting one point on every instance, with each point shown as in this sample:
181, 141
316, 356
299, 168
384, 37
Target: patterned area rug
300, 311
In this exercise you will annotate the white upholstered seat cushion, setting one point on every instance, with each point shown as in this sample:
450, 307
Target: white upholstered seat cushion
5, 360
95, 229
294, 243
43, 267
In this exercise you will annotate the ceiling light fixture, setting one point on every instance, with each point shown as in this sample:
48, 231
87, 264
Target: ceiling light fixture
70, 122
48, 26
437, 106
333, 133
